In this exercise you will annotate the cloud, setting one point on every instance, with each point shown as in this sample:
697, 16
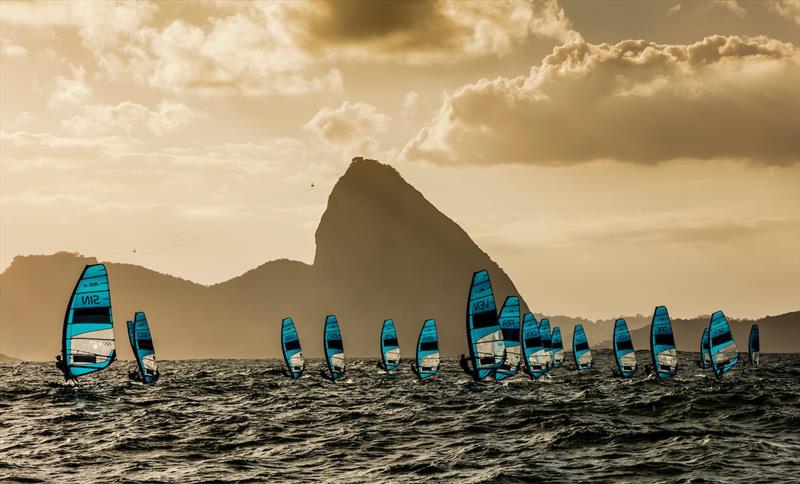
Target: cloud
786, 8
128, 117
23, 118
410, 103
71, 90
731, 6
243, 54
635, 101
674, 9
286, 48
352, 127
9, 49
426, 32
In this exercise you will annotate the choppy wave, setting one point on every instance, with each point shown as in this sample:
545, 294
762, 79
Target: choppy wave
233, 420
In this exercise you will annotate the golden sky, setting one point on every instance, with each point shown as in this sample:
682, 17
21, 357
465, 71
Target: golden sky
610, 156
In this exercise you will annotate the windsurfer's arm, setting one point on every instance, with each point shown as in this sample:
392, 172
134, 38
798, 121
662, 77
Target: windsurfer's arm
414, 368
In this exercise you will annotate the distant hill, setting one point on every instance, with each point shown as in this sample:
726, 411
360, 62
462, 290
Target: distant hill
778, 334
383, 251
7, 358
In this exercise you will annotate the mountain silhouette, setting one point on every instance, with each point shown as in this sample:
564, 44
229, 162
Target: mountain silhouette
778, 334
383, 251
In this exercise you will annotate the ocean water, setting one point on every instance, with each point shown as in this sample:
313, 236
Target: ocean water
231, 420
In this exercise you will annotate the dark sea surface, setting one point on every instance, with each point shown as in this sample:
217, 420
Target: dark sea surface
232, 420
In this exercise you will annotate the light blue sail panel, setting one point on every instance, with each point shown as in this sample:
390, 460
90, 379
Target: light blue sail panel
547, 341
87, 343
705, 351
334, 349
390, 347
132, 336
536, 356
292, 352
754, 346
724, 354
662, 344
484, 337
624, 354
143, 348
510, 327
580, 350
428, 359
558, 348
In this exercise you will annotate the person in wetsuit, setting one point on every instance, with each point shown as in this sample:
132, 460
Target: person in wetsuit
62, 367
464, 362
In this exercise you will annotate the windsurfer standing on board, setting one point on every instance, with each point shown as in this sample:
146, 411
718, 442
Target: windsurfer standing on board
64, 370
465, 365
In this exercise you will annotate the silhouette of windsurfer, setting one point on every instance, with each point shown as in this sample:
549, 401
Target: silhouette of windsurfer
465, 365
62, 367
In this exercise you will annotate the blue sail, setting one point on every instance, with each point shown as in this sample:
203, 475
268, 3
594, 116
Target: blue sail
558, 348
580, 350
390, 347
290, 347
143, 349
87, 343
624, 354
536, 357
754, 346
724, 354
662, 344
334, 349
705, 352
484, 338
547, 342
428, 360
510, 326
